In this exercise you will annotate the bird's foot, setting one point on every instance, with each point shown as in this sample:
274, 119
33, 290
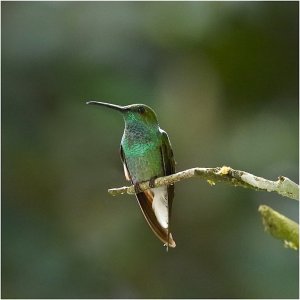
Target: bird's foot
152, 182
138, 189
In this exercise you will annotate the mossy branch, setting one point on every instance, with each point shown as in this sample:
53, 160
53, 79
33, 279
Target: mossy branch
283, 186
280, 227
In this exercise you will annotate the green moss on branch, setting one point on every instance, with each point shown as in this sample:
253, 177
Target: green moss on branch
280, 227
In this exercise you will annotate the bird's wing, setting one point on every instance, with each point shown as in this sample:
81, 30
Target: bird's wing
127, 175
145, 200
169, 168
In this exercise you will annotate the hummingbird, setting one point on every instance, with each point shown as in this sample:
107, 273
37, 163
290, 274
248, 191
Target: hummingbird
146, 154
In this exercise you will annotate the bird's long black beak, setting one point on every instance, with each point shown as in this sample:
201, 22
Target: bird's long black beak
112, 106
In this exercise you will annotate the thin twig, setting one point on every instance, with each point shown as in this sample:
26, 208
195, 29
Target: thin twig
283, 186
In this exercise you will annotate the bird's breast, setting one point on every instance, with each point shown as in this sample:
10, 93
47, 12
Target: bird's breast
140, 142
143, 161
139, 149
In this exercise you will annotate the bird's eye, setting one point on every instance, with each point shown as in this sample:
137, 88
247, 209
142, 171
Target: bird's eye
141, 109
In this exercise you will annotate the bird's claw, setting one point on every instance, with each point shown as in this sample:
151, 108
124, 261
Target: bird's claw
152, 182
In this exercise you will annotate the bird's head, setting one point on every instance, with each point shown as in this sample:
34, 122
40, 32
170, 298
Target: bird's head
133, 113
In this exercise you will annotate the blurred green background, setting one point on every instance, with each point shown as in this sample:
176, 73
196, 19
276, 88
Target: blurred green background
223, 79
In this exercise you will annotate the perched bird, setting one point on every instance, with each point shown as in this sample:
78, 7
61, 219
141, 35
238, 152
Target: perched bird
146, 154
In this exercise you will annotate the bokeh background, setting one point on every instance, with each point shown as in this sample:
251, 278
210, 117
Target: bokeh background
223, 79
